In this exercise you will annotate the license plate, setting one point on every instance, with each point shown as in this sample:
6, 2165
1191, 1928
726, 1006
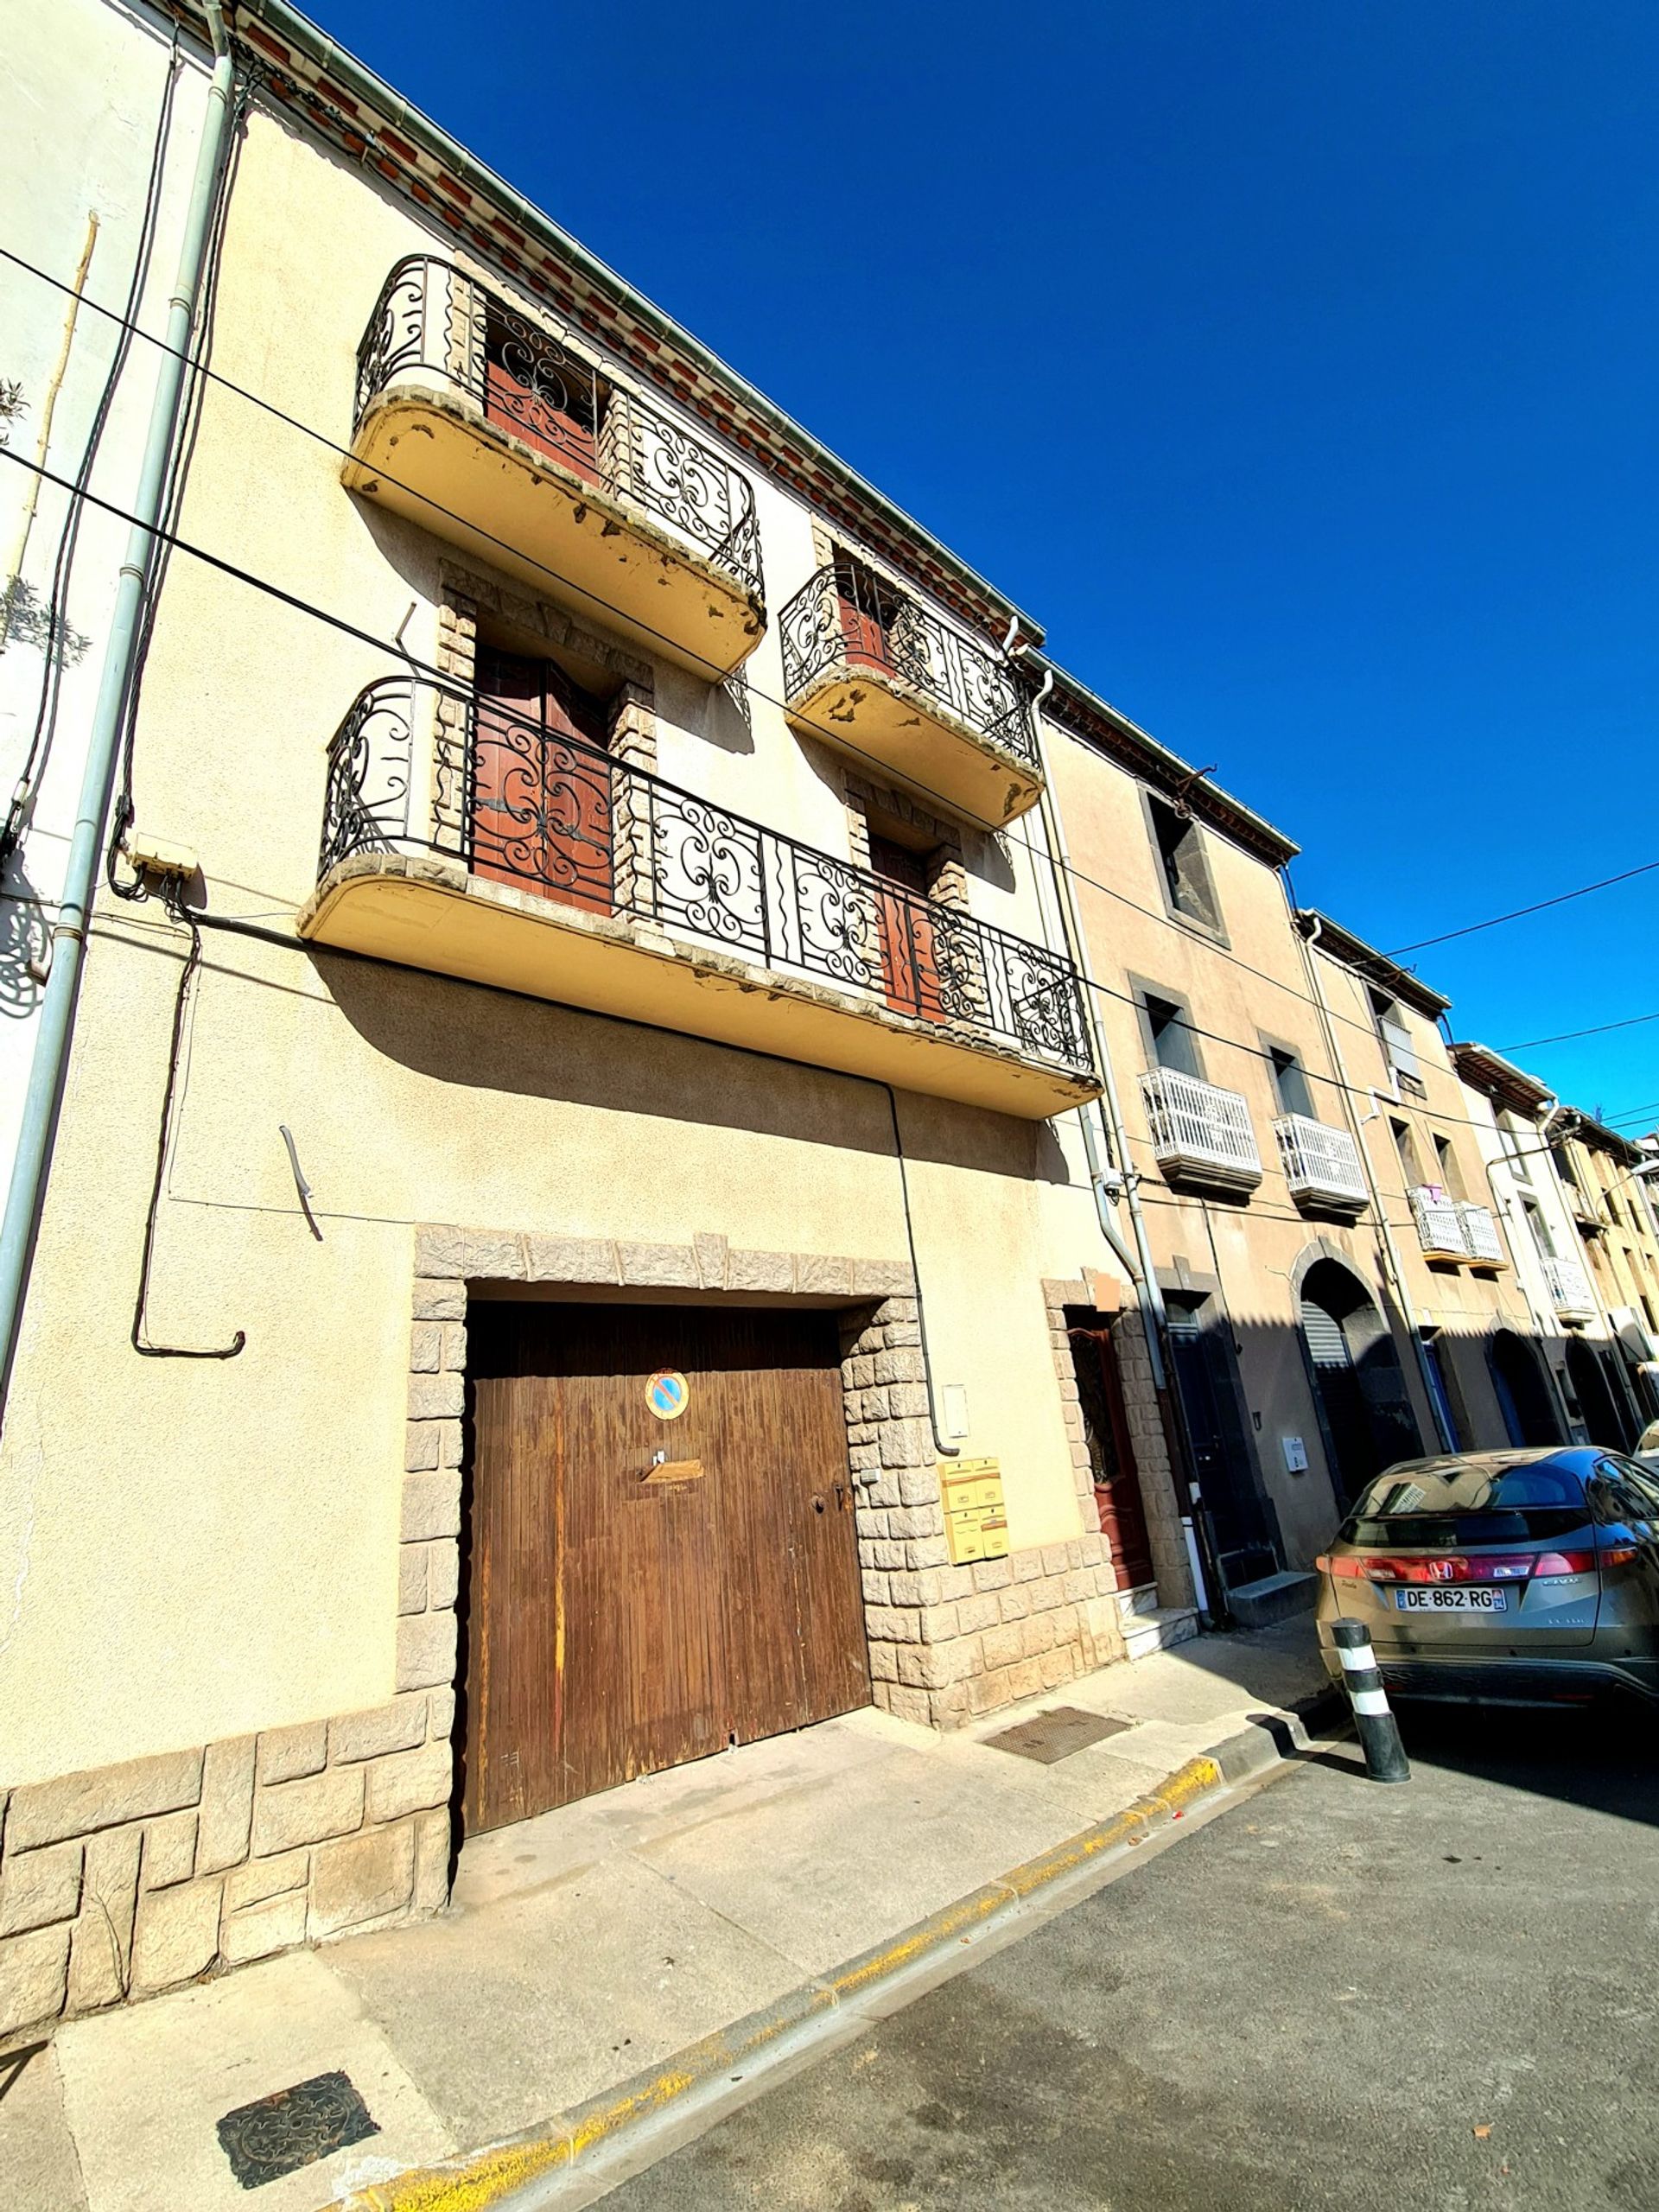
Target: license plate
1433, 1600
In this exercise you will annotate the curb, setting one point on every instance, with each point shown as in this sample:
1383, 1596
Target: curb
556, 2147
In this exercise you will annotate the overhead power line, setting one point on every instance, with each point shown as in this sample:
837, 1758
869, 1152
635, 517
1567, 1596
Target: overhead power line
1493, 921
1527, 1043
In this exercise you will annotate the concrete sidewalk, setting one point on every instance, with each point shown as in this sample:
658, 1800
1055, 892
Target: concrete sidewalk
600, 1939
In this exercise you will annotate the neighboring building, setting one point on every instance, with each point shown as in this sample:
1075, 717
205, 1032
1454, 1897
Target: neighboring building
1286, 1340
1544, 1388
1471, 1330
1602, 1175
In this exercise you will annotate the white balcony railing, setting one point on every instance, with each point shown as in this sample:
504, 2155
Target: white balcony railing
1481, 1239
1569, 1288
1439, 1231
1199, 1132
1322, 1165
1454, 1229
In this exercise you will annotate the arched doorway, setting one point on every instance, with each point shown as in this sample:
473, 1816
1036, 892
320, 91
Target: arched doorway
1368, 1422
1523, 1396
1595, 1394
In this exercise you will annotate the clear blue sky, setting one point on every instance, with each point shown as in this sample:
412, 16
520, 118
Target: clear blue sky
1296, 362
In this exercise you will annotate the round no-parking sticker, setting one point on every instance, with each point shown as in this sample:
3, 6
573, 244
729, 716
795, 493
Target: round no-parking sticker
668, 1394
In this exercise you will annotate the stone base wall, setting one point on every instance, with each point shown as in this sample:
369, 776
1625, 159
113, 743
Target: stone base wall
135, 1879
130, 1880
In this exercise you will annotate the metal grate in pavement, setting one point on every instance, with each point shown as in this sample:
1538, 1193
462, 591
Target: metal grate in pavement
1054, 1734
293, 2128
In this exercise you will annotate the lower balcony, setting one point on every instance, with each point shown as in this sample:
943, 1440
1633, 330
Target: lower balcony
488, 430
1454, 1231
1570, 1291
867, 668
1199, 1134
1322, 1165
461, 839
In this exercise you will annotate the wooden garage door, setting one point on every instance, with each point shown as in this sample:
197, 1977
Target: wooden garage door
616, 1624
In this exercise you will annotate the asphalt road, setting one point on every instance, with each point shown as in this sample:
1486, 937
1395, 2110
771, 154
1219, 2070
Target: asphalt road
1442, 1995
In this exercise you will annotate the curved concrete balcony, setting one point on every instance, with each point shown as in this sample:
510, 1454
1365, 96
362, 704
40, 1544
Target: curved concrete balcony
460, 838
1322, 1165
507, 441
1200, 1134
867, 667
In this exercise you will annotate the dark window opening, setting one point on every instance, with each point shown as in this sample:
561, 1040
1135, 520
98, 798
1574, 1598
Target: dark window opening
1450, 1173
1411, 1165
1186, 869
1292, 1084
1173, 1044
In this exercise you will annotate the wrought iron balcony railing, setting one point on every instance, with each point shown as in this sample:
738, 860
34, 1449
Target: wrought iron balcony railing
1569, 1287
1198, 1130
425, 767
432, 318
1321, 1164
846, 618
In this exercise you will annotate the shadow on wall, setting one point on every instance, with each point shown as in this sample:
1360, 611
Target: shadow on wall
481, 1039
25, 945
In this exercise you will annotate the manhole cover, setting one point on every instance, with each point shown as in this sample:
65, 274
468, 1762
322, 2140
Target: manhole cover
293, 2128
1047, 1737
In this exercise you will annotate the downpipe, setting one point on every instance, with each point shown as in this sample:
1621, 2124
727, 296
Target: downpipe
62, 990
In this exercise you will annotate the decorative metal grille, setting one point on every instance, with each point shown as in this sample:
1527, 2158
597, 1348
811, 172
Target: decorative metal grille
426, 767
847, 616
1190, 1121
1320, 1161
432, 318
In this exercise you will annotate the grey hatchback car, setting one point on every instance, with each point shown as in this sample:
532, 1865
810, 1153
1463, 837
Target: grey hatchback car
1503, 1578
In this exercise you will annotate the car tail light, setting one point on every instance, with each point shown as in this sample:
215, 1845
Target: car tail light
1619, 1554
1445, 1567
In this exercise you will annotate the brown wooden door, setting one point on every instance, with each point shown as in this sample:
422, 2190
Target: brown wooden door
532, 388
909, 953
616, 1624
1119, 1506
541, 782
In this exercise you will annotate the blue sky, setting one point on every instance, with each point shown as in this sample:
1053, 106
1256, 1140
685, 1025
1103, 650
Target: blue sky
1296, 364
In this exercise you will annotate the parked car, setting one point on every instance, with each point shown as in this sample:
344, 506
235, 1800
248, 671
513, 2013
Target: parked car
1510, 1578
1647, 1447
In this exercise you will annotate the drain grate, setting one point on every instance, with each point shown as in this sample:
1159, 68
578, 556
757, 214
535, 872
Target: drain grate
293, 2128
1054, 1735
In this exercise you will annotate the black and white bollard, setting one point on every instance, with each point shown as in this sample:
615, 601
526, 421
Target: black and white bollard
1379, 1732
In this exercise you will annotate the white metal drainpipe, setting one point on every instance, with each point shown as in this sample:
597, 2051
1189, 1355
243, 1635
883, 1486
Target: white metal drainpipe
80, 876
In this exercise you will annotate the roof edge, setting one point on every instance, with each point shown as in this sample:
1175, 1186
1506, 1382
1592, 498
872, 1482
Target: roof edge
1351, 951
655, 339
1499, 1079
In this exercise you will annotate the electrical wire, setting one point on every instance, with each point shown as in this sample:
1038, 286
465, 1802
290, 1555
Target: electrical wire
1529, 1043
739, 676
1494, 921
171, 538
46, 714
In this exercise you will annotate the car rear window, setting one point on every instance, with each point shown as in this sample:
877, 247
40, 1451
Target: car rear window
1476, 1504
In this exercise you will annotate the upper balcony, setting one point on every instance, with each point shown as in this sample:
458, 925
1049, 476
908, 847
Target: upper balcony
1322, 1165
1199, 1134
1455, 1229
498, 436
867, 668
1570, 1291
461, 837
